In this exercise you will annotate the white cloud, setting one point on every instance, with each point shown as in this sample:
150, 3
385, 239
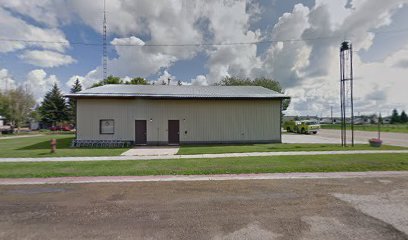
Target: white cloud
15, 28
137, 61
86, 81
178, 22
310, 69
200, 80
39, 83
284, 61
164, 77
48, 12
46, 58
229, 22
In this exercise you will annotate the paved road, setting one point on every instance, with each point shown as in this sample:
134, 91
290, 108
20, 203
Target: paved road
313, 138
357, 208
396, 139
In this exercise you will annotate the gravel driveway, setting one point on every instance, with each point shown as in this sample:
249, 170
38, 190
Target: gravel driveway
358, 208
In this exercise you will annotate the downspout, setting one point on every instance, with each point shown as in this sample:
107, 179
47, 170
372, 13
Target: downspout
280, 121
76, 119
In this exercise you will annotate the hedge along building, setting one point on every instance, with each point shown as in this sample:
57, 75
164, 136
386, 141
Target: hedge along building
162, 114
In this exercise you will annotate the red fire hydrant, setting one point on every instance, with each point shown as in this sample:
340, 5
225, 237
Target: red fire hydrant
53, 144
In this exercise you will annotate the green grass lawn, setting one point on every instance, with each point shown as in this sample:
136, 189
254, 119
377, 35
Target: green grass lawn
39, 146
276, 147
270, 164
398, 128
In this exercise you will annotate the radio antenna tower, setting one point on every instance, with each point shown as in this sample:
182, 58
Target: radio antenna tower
105, 53
346, 91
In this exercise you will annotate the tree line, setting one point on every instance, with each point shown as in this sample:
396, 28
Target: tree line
18, 105
398, 118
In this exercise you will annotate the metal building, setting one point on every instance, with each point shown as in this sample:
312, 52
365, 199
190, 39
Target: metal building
161, 115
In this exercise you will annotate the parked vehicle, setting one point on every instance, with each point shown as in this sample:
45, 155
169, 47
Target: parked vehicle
291, 126
303, 127
6, 129
60, 128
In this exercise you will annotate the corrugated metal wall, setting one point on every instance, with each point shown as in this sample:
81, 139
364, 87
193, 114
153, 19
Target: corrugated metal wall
200, 120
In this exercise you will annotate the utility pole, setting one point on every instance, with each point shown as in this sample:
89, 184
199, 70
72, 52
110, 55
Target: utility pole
379, 125
331, 114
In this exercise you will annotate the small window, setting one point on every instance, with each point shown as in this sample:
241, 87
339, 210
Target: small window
107, 126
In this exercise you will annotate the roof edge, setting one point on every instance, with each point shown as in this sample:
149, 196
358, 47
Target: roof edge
76, 96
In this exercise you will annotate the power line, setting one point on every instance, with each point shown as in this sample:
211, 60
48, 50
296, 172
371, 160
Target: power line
190, 44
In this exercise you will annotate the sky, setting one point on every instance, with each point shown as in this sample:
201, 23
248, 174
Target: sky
200, 42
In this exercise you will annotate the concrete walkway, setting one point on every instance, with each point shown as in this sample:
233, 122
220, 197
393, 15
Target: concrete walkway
217, 177
152, 151
21, 136
168, 157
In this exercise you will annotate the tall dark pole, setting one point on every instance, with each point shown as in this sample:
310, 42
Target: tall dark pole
351, 93
346, 86
379, 126
341, 98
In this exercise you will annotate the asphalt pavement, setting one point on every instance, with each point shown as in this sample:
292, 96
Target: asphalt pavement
388, 138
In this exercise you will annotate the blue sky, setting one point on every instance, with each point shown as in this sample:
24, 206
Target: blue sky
308, 70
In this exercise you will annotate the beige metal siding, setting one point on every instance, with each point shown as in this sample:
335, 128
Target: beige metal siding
200, 120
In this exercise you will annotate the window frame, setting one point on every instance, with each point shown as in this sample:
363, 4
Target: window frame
100, 126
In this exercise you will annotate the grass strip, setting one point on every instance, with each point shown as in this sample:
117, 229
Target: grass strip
39, 146
237, 165
276, 147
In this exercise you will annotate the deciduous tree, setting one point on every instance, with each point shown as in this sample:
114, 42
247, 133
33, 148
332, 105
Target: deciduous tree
263, 82
109, 80
16, 105
138, 81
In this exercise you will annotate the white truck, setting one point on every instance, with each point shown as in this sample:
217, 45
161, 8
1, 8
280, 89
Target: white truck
5, 128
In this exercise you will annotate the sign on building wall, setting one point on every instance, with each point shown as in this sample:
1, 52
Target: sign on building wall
107, 126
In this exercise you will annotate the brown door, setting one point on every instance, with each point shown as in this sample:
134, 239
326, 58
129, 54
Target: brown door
174, 132
140, 132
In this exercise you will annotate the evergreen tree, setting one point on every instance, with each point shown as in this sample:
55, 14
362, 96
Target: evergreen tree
395, 118
76, 87
53, 108
403, 117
